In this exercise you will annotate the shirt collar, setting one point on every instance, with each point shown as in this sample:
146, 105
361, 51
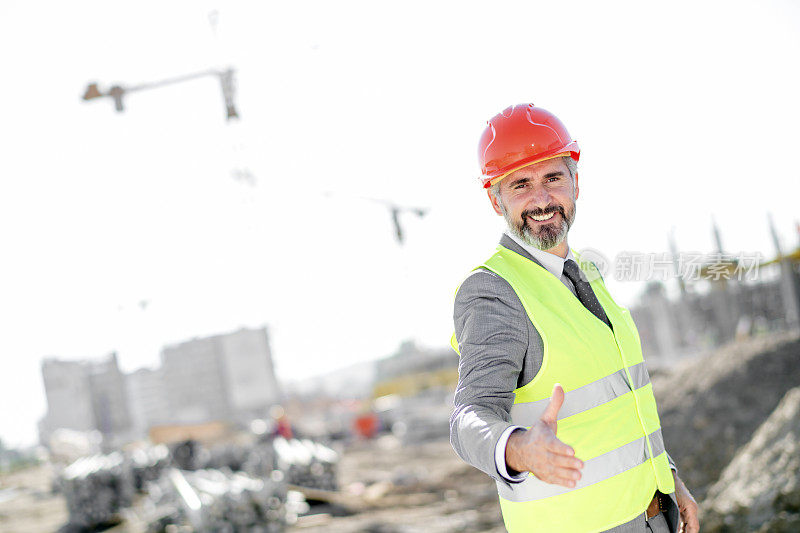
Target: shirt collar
553, 263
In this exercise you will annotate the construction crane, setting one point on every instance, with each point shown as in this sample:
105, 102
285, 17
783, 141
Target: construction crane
117, 92
226, 78
395, 210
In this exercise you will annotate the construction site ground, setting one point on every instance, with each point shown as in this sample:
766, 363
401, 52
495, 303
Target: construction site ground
394, 487
387, 487
27, 504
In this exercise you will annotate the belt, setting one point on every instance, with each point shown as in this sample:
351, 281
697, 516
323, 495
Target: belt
654, 507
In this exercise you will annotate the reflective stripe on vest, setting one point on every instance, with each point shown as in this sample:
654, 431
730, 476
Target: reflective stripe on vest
609, 413
602, 467
584, 398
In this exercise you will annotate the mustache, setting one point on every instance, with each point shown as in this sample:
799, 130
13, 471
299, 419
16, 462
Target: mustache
541, 212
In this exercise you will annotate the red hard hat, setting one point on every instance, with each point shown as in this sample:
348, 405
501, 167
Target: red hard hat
519, 136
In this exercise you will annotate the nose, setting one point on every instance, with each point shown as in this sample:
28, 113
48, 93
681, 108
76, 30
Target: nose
540, 197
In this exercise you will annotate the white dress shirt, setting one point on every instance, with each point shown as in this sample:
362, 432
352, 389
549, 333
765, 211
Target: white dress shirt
555, 265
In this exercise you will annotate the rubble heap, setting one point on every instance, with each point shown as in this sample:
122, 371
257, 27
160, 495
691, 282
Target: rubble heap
760, 489
711, 406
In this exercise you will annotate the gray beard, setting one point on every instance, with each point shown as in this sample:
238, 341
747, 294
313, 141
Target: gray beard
549, 235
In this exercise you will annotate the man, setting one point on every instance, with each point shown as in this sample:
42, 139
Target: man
553, 398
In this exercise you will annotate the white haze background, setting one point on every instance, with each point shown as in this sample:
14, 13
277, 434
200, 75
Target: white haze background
682, 110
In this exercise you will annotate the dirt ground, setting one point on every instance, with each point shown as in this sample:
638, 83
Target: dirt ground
27, 504
409, 489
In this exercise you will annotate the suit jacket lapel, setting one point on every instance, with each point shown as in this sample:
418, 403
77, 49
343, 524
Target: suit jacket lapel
508, 242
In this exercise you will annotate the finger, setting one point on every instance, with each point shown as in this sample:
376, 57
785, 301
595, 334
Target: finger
550, 473
564, 481
564, 461
556, 446
566, 474
569, 483
550, 414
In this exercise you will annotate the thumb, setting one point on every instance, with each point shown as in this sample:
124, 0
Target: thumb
550, 415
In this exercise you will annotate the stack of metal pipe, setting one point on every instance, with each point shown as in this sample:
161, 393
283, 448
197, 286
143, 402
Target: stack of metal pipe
213, 500
148, 464
240, 487
306, 463
256, 460
96, 489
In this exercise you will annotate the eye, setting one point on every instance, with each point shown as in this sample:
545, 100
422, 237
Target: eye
553, 178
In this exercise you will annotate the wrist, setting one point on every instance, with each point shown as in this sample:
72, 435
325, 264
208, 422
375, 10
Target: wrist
512, 455
680, 488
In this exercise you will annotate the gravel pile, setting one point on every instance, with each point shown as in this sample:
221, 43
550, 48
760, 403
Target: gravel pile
711, 406
760, 489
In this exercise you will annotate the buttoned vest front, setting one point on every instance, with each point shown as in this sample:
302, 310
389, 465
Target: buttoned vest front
609, 413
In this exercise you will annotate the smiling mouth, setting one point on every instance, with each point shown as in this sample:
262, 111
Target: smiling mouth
543, 218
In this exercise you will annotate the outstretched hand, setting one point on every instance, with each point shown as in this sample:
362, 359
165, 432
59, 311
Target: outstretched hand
539, 451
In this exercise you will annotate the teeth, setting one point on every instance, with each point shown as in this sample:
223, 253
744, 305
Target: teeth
543, 217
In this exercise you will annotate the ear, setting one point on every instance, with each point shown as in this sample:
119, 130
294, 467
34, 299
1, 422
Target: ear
495, 202
576, 186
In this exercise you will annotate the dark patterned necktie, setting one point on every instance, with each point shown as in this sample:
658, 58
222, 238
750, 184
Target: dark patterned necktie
584, 291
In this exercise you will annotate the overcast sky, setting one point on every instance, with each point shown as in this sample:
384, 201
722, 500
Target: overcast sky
683, 110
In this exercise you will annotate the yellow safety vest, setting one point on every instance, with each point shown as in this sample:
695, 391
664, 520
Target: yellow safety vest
609, 413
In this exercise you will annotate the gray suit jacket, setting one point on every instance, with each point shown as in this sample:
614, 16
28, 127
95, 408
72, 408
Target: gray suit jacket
501, 350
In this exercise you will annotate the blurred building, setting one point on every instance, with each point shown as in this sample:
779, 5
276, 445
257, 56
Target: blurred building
248, 372
192, 375
720, 307
147, 397
412, 370
109, 397
696, 322
84, 396
228, 377
222, 377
